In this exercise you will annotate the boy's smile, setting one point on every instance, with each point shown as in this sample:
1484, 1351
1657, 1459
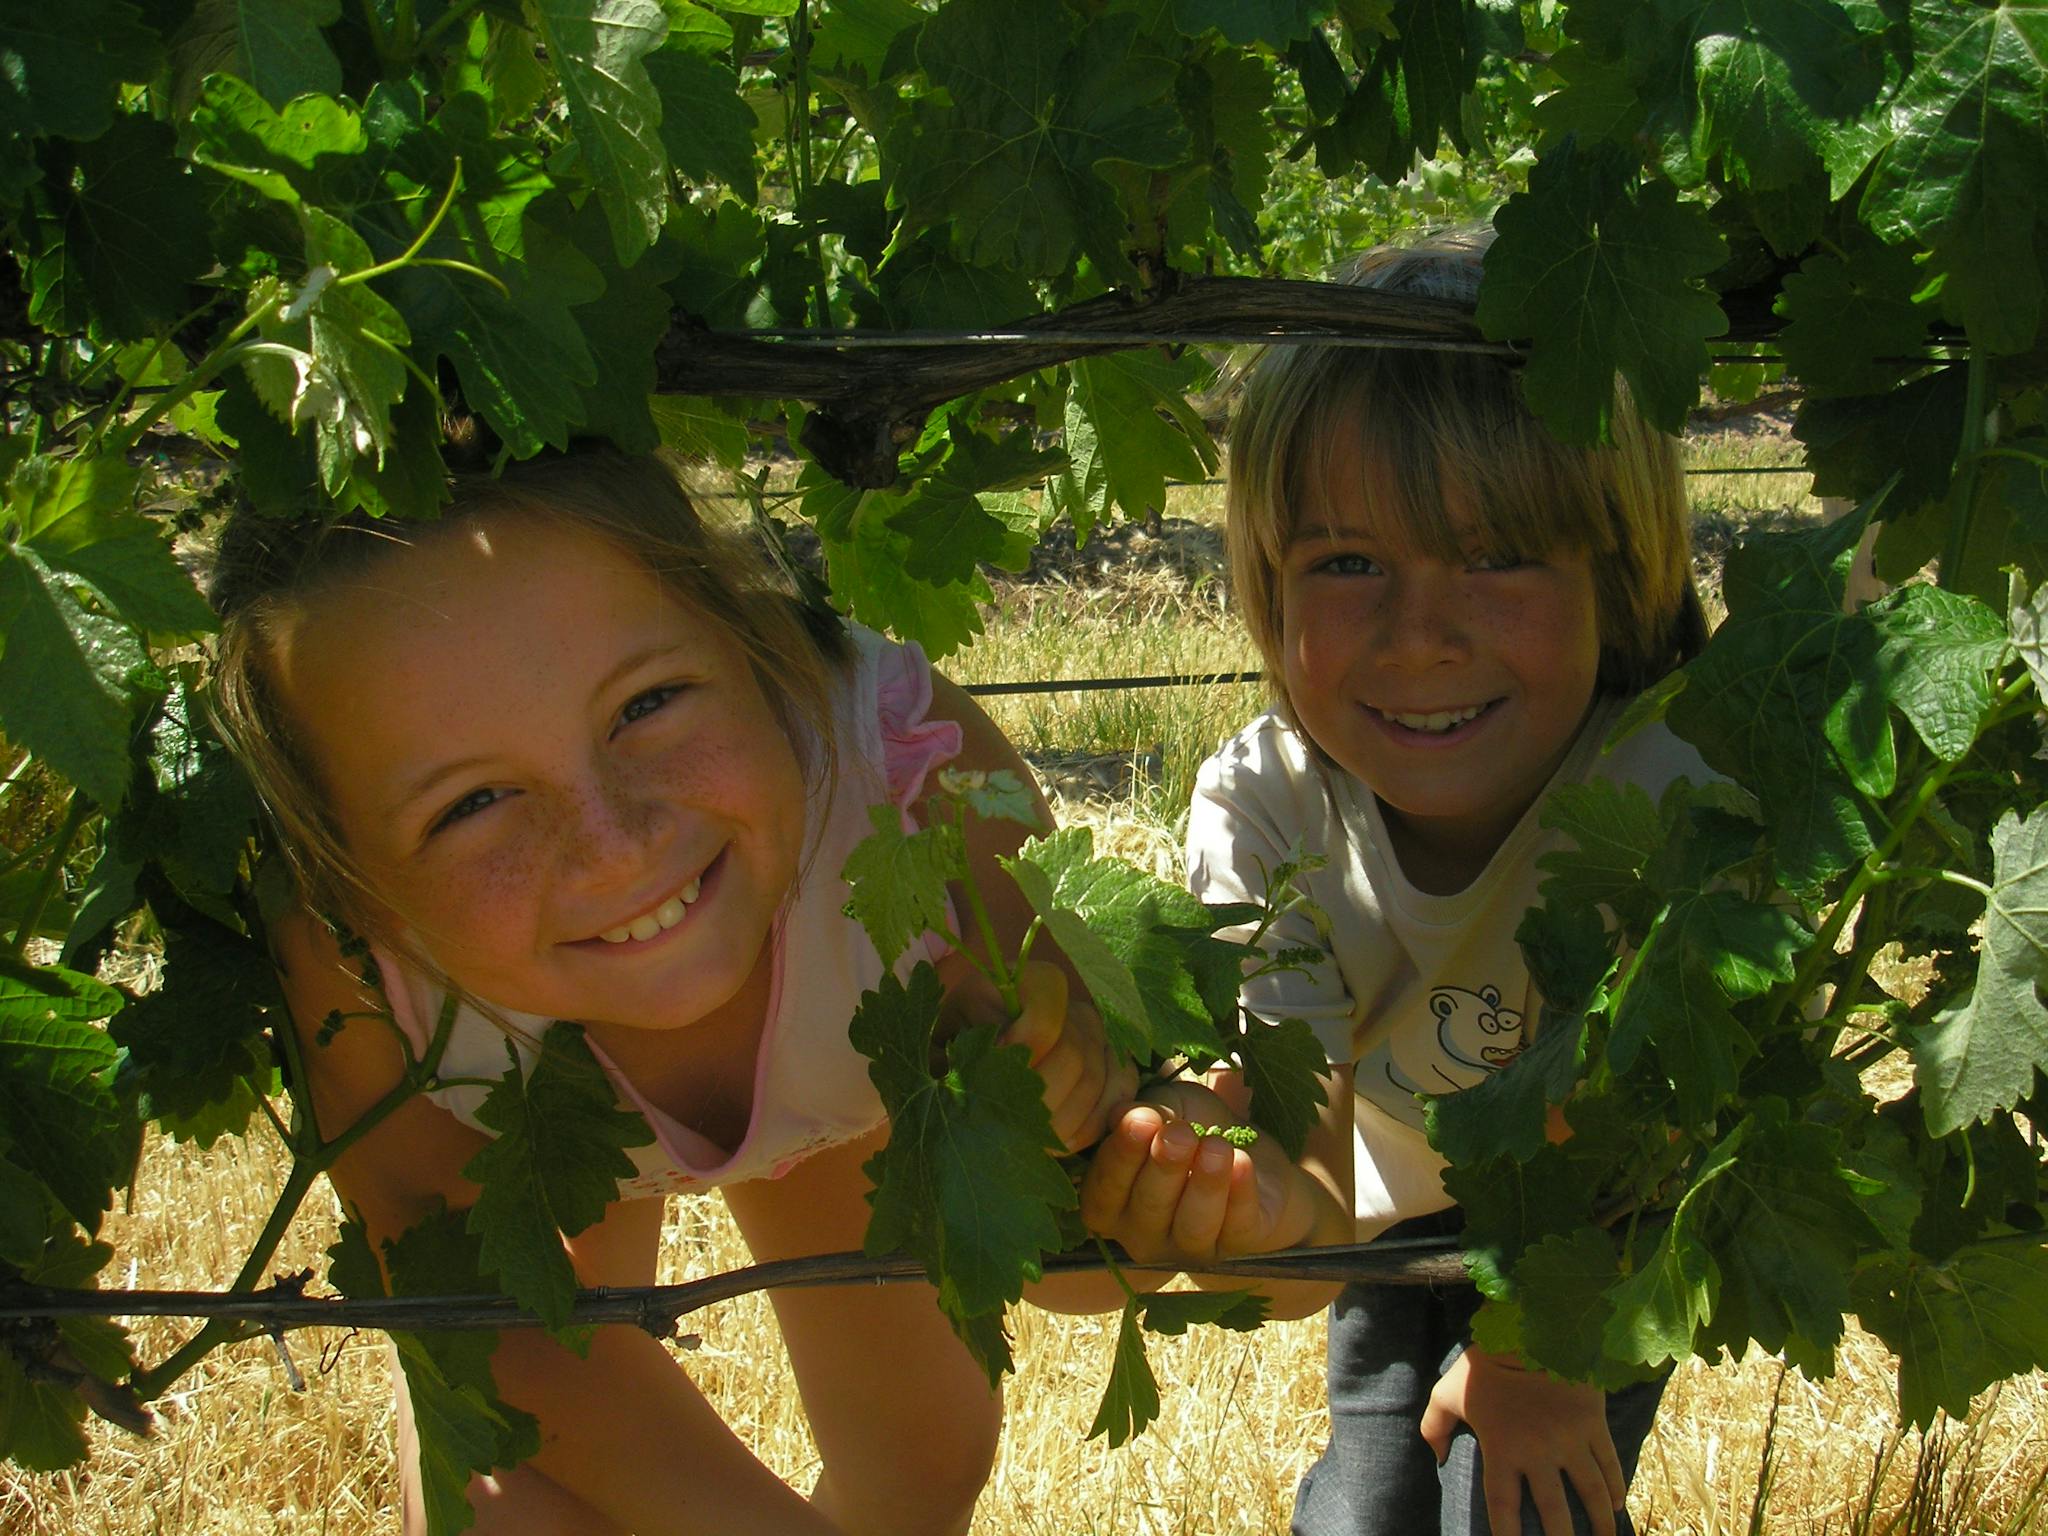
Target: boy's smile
1450, 687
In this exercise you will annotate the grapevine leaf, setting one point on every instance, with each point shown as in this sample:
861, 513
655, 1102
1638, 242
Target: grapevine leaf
623, 325
925, 284
706, 128
60, 66
968, 1183
1174, 1312
1505, 1113
1938, 655
192, 813
126, 234
1966, 158
1510, 1206
1275, 23
1850, 317
997, 796
1960, 1325
1561, 1285
41, 1423
899, 880
192, 1042
1856, 444
1139, 433
1981, 1054
1131, 1400
26, 1203
2030, 637
1785, 1230
78, 515
1602, 276
696, 428
597, 47
868, 563
356, 340
464, 1427
64, 691
1616, 832
282, 155
1789, 702
1144, 945
62, 1119
1707, 949
554, 1166
280, 45
1032, 110
1665, 1301
1284, 1066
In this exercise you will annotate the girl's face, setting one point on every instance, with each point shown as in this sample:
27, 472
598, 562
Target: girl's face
565, 785
1450, 688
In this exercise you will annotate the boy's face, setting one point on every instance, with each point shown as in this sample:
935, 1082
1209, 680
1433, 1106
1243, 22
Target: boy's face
1451, 688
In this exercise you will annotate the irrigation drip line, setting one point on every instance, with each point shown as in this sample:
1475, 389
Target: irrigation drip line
656, 1308
1101, 684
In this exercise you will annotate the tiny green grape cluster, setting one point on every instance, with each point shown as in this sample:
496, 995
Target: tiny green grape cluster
1236, 1135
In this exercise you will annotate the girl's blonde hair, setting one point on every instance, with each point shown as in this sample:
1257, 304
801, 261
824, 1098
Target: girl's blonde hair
268, 570
1437, 426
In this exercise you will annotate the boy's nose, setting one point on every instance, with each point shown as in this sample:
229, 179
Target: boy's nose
1423, 622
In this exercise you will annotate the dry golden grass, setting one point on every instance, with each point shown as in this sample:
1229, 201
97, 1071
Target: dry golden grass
240, 1452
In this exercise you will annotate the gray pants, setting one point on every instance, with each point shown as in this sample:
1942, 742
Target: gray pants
1389, 1345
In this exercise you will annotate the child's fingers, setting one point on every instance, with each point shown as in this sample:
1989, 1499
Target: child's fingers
1546, 1492
1106, 1187
1589, 1482
1041, 1009
1245, 1223
1609, 1462
1439, 1423
1503, 1488
1198, 1218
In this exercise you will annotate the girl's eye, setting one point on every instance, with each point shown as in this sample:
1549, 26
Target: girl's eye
641, 705
476, 800
1498, 562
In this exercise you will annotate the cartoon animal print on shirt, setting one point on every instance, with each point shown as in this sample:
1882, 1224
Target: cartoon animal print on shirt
1475, 1030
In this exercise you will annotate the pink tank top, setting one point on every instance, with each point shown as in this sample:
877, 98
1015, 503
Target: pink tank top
811, 1088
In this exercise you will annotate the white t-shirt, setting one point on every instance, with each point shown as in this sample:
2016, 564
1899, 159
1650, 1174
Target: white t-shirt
1421, 993
811, 1087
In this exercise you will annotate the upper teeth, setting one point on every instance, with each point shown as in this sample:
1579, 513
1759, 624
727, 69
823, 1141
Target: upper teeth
1440, 720
648, 924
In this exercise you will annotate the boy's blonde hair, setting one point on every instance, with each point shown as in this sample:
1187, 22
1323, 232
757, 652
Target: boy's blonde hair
269, 569
1438, 424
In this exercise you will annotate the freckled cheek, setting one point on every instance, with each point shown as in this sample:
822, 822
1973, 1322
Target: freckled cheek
479, 911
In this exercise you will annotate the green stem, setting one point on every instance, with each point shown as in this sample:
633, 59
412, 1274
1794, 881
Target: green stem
405, 257
231, 349
53, 874
1969, 457
800, 157
2039, 461
1116, 1271
1952, 876
380, 40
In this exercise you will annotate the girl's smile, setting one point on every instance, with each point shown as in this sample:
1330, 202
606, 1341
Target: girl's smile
567, 787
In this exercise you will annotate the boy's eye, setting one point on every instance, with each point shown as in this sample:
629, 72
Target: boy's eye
476, 800
641, 705
1350, 565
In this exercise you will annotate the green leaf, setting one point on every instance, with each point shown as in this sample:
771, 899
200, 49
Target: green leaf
623, 326
1131, 1400
1960, 1325
924, 284
1032, 109
1129, 431
1851, 317
1788, 701
1506, 1112
899, 880
59, 1113
2029, 621
40, 1422
1137, 941
64, 690
1561, 1285
598, 48
1174, 1312
706, 128
694, 426
1602, 275
1785, 1228
1616, 833
194, 812
556, 1164
968, 1183
1856, 445
281, 49
1666, 1300
26, 1206
60, 67
197, 1039
1980, 1055
283, 155
1284, 1065
79, 516
464, 1427
1938, 656
1709, 948
123, 236
868, 562
1275, 23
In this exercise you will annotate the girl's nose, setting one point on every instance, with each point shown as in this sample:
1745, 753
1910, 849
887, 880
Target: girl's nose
1423, 621
609, 829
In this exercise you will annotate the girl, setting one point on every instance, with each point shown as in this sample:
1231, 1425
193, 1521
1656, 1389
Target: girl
565, 755
1454, 609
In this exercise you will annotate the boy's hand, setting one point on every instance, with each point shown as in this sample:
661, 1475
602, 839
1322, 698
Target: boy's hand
1168, 1194
1534, 1428
1084, 1076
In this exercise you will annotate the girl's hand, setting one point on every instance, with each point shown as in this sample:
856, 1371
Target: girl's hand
1168, 1194
1534, 1428
1084, 1077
